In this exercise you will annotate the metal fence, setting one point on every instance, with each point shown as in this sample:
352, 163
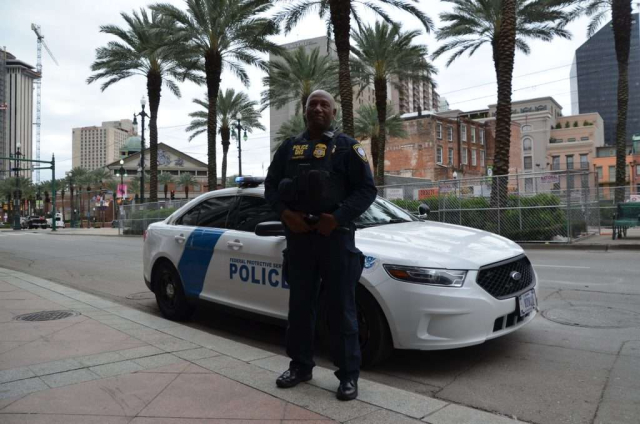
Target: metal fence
135, 218
552, 206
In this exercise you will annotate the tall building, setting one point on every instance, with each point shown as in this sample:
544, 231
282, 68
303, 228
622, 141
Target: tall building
16, 111
594, 80
409, 98
94, 147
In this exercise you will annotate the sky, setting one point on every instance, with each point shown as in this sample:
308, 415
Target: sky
72, 32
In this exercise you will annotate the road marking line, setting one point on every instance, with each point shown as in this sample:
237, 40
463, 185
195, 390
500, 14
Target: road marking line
562, 266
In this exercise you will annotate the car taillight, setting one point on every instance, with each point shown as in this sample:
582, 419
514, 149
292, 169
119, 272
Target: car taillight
144, 235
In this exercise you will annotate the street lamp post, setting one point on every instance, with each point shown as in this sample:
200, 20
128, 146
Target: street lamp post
143, 115
16, 198
239, 127
123, 173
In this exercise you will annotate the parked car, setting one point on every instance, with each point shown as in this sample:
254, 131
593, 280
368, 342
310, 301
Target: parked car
425, 285
36, 221
59, 221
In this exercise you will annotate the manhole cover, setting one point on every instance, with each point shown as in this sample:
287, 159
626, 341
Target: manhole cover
142, 296
46, 316
593, 317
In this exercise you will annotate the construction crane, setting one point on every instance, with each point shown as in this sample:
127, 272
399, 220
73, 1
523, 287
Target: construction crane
36, 29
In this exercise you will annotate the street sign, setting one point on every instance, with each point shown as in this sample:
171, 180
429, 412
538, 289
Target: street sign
423, 193
394, 193
550, 178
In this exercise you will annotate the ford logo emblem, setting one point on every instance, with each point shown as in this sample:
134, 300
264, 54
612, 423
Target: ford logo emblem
515, 275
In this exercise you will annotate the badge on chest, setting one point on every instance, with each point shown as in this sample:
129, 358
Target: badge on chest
320, 151
306, 151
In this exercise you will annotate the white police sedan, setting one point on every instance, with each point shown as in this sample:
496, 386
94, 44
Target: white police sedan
426, 285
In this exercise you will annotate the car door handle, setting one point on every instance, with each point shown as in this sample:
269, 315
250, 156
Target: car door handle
236, 244
179, 239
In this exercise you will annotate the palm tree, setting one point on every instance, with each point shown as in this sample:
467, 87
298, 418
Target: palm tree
230, 104
221, 34
383, 53
620, 10
367, 127
296, 76
72, 182
165, 179
140, 52
133, 187
338, 15
505, 25
186, 180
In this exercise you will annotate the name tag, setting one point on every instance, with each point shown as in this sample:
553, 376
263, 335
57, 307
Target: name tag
299, 151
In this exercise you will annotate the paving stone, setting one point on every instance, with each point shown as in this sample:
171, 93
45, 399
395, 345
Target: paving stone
194, 354
116, 368
21, 387
456, 414
100, 359
218, 363
15, 374
157, 360
69, 377
383, 417
174, 345
56, 366
139, 352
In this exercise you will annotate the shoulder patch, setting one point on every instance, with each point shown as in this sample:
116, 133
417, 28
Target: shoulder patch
360, 152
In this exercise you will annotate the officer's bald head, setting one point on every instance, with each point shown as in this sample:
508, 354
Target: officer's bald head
321, 110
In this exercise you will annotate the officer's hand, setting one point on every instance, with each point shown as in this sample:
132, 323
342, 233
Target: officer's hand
295, 221
326, 224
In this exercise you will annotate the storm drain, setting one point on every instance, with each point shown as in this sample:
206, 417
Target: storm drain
46, 316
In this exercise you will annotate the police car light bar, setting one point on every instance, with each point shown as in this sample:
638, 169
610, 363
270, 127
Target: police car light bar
248, 182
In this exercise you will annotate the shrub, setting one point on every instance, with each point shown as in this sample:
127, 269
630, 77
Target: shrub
558, 126
567, 125
575, 124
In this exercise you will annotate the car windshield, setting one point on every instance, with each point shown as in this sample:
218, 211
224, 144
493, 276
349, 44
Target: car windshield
383, 212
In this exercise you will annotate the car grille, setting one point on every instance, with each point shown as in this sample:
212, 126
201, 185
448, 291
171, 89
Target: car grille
497, 279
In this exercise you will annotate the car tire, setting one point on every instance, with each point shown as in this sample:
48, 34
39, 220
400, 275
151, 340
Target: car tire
376, 344
169, 293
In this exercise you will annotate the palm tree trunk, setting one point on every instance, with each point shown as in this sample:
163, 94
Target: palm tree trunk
62, 196
225, 135
340, 19
380, 88
186, 192
374, 152
506, 56
213, 70
621, 19
165, 191
154, 88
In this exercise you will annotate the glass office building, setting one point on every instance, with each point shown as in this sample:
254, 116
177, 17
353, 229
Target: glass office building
594, 81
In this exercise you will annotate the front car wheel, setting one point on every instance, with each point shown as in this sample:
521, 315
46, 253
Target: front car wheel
170, 296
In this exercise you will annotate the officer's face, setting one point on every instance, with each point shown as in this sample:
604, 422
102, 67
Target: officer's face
320, 112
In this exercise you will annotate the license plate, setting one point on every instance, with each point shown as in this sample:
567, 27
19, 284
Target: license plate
527, 302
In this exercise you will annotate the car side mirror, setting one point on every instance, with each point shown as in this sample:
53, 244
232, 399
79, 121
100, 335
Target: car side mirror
423, 211
270, 228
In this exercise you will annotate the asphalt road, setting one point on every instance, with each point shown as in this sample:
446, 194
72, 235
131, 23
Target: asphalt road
577, 362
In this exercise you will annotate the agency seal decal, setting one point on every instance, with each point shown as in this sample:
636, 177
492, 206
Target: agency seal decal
370, 264
360, 151
320, 150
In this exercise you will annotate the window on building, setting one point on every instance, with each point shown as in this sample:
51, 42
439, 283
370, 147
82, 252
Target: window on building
473, 134
482, 136
584, 138
464, 157
439, 155
526, 144
599, 171
526, 128
439, 131
450, 156
463, 132
569, 161
481, 157
450, 133
612, 173
528, 163
528, 185
584, 161
555, 163
474, 158
638, 169
571, 139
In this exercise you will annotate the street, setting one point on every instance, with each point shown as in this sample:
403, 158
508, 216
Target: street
577, 362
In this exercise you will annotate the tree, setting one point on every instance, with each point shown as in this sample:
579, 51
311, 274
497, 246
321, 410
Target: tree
338, 15
296, 75
186, 180
221, 34
230, 104
72, 182
505, 25
140, 51
165, 179
368, 127
620, 10
383, 53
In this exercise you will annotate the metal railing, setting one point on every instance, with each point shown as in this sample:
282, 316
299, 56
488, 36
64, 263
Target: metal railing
135, 218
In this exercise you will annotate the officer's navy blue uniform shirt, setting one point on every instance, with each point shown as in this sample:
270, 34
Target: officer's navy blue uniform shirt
348, 160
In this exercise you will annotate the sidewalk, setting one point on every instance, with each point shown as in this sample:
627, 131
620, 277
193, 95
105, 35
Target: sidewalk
595, 242
108, 363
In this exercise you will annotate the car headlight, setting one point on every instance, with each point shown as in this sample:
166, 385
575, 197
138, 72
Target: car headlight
430, 276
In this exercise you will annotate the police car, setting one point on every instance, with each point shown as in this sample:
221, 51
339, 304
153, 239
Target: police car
425, 285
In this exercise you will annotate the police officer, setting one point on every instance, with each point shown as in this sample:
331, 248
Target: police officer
323, 175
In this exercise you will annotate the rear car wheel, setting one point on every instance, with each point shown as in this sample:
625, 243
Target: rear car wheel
170, 296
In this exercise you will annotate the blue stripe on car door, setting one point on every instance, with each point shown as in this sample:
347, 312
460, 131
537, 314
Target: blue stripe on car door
196, 258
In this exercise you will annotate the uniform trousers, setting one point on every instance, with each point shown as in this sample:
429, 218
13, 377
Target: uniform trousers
312, 260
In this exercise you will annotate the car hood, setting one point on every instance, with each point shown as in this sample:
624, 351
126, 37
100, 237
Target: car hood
434, 244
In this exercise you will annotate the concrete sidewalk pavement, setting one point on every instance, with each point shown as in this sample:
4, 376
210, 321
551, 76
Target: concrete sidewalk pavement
108, 363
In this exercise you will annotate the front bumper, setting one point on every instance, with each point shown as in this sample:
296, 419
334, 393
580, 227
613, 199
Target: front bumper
431, 318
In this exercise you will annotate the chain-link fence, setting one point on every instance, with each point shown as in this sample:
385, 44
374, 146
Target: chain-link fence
553, 206
135, 218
